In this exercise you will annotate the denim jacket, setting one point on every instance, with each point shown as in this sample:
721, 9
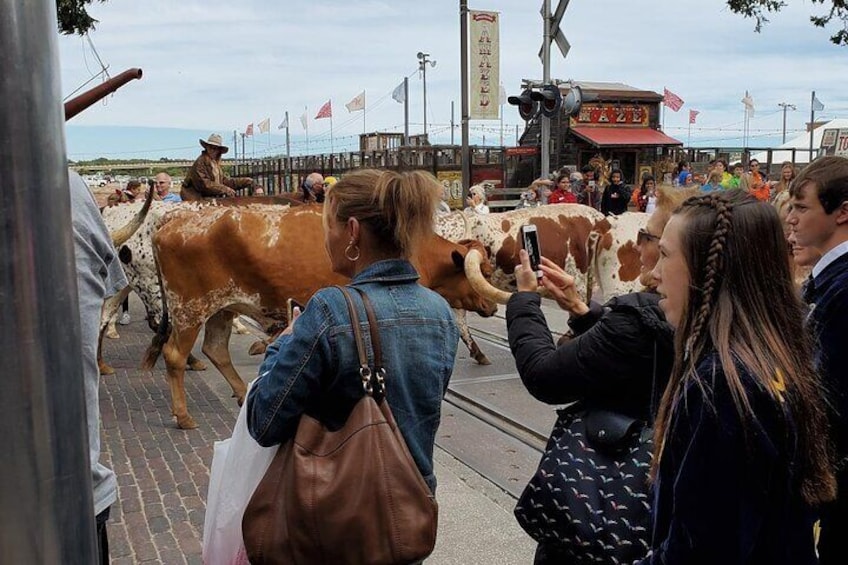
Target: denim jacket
315, 369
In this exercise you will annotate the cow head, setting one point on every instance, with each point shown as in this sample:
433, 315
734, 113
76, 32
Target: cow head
441, 265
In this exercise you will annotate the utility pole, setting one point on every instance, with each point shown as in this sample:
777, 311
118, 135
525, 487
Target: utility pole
546, 79
423, 61
463, 48
784, 105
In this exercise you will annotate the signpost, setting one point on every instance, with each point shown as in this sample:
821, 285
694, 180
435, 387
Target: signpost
550, 32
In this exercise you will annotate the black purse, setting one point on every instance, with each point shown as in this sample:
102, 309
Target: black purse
588, 501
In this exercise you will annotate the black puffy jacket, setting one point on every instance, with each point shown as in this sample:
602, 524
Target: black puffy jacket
621, 354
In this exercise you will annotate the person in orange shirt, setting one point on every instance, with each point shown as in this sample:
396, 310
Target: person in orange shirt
757, 185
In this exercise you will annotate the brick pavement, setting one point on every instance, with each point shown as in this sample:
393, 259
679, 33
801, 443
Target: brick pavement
163, 472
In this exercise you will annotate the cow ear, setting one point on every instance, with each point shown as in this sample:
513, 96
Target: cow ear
458, 260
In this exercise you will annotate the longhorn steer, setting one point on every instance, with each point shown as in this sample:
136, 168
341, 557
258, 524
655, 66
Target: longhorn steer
591, 247
216, 262
594, 249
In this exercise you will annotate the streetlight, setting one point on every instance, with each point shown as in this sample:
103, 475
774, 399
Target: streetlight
422, 66
786, 106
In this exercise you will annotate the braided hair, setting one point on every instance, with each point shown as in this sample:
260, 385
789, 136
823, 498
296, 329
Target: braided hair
742, 305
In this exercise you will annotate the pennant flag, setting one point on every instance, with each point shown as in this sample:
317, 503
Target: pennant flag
326, 111
249, 131
398, 95
265, 125
692, 115
358, 103
748, 101
304, 122
817, 105
284, 124
672, 100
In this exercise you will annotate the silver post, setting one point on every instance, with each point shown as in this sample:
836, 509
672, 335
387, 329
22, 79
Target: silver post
812, 121
406, 110
546, 79
452, 122
423, 61
46, 500
784, 105
466, 150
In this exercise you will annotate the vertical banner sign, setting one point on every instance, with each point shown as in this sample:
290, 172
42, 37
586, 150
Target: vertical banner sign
485, 66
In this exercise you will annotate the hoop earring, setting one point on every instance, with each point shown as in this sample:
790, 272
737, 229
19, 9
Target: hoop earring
347, 251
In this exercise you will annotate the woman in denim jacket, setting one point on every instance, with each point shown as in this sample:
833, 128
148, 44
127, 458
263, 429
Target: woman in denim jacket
372, 220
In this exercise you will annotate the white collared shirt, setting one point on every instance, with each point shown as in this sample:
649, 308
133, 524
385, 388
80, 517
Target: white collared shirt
829, 258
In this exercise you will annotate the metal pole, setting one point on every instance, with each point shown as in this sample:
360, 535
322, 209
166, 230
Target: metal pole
546, 79
812, 122
46, 501
288, 155
463, 49
406, 110
452, 122
424, 70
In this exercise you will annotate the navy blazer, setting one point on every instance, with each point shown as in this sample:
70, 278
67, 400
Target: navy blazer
828, 322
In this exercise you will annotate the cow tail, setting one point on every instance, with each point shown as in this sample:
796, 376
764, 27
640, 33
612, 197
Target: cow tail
163, 332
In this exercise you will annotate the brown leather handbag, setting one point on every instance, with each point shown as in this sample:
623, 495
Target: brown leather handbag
352, 496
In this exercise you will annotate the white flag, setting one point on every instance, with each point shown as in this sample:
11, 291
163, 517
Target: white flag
398, 95
503, 95
284, 124
817, 105
748, 101
358, 103
304, 122
265, 125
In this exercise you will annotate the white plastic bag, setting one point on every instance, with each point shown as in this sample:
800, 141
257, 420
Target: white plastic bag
238, 464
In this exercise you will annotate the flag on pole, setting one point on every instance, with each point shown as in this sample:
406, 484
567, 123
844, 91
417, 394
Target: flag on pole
672, 100
502, 95
304, 122
265, 125
248, 132
284, 124
748, 101
692, 115
817, 105
326, 111
358, 103
398, 95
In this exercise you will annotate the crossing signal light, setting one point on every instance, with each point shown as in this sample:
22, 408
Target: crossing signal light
550, 99
573, 101
527, 106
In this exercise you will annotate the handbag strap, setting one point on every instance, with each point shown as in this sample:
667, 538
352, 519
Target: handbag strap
373, 382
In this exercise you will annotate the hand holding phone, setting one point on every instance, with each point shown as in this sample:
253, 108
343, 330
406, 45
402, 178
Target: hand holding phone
530, 239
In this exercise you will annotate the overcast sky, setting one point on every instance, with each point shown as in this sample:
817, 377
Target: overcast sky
218, 66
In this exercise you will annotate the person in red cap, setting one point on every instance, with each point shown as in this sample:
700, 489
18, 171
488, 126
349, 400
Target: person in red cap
206, 178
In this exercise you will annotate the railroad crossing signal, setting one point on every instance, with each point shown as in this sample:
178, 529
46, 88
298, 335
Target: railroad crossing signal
556, 33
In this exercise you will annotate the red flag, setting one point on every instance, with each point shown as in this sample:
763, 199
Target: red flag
326, 111
672, 100
249, 131
692, 115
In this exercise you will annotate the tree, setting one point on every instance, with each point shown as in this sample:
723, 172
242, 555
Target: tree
759, 9
73, 16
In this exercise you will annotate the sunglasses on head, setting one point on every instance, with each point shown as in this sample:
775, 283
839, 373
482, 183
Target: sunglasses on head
644, 236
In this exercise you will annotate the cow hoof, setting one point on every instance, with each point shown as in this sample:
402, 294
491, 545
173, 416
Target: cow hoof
240, 398
105, 369
257, 348
482, 359
186, 422
197, 365
112, 333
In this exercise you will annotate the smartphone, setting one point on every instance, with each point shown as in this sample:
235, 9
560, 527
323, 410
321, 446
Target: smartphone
291, 304
530, 238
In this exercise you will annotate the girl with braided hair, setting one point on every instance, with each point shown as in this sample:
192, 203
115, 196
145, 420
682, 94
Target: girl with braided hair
741, 452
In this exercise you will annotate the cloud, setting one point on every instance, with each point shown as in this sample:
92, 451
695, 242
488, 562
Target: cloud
217, 66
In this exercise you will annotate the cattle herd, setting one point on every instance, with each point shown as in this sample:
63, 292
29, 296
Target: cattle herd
198, 266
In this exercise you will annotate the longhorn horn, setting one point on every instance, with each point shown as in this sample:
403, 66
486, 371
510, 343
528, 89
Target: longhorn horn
121, 235
473, 262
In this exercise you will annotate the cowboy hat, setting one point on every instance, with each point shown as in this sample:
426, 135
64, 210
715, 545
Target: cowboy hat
215, 140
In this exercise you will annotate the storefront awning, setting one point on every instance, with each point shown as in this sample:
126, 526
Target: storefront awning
610, 136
